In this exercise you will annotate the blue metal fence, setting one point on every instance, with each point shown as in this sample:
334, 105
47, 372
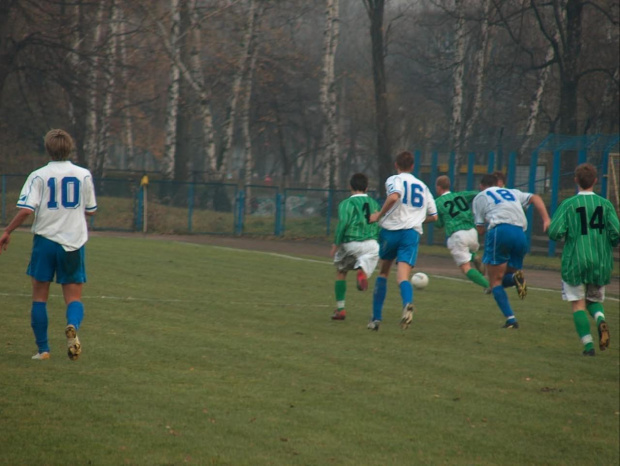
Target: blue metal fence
228, 208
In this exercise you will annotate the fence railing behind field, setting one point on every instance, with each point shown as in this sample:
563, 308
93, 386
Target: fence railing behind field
169, 207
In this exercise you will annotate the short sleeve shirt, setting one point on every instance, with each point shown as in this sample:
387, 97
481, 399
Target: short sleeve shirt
495, 205
415, 203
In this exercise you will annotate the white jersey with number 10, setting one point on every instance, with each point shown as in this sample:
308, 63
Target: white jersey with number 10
413, 206
59, 194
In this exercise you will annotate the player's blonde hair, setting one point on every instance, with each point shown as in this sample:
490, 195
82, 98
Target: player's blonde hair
443, 182
59, 144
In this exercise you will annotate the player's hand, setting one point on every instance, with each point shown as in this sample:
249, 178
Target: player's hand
373, 217
5, 239
546, 224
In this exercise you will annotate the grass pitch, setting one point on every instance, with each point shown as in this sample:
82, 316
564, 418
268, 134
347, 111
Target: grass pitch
205, 355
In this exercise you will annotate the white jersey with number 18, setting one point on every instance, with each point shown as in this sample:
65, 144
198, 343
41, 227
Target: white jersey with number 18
59, 194
413, 206
494, 206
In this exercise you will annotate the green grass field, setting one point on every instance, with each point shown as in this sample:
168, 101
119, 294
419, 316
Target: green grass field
194, 354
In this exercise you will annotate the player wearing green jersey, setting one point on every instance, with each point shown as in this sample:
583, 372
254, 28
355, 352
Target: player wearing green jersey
355, 242
455, 215
589, 225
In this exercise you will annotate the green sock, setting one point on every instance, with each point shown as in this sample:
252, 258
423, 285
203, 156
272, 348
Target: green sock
597, 312
341, 291
582, 325
477, 278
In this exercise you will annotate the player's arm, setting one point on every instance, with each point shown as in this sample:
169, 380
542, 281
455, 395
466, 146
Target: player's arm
20, 217
558, 227
613, 226
387, 205
539, 205
343, 222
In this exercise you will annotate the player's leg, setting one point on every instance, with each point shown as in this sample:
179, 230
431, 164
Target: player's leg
41, 269
340, 290
595, 296
518, 248
577, 298
460, 244
38, 318
379, 293
496, 255
407, 257
366, 263
71, 275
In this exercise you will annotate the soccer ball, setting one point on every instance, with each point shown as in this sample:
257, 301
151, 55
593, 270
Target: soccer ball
419, 280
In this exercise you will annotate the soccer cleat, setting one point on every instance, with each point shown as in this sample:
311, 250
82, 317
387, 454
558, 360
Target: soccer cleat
374, 325
41, 356
589, 352
603, 336
520, 284
339, 315
478, 265
74, 348
407, 316
511, 324
488, 291
362, 280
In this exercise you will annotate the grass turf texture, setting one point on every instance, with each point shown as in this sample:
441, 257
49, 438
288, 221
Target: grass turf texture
206, 355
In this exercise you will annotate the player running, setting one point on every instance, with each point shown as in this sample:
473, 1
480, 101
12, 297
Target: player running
499, 213
454, 213
59, 194
408, 205
355, 242
590, 227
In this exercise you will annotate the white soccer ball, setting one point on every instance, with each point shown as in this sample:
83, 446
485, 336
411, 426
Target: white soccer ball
419, 280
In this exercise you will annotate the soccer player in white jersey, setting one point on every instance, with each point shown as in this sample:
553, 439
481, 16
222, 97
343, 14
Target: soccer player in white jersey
408, 205
499, 213
60, 194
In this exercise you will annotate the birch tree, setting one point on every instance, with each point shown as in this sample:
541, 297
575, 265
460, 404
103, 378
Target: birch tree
256, 9
328, 96
127, 121
172, 104
92, 132
458, 83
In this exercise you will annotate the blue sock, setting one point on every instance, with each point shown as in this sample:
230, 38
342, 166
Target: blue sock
38, 322
406, 292
378, 296
501, 298
75, 314
508, 280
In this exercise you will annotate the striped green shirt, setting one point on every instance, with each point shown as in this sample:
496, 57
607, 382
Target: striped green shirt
589, 224
353, 216
454, 211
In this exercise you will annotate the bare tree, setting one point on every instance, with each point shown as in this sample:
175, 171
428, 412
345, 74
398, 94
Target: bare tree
376, 12
328, 95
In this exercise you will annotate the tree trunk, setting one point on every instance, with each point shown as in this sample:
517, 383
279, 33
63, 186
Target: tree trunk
172, 106
236, 90
90, 139
375, 10
246, 105
328, 95
128, 158
457, 87
480, 63
532, 118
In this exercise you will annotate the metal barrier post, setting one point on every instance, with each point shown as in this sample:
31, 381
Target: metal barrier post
190, 206
434, 163
330, 200
604, 174
532, 189
417, 162
555, 187
471, 158
278, 225
491, 162
240, 212
512, 168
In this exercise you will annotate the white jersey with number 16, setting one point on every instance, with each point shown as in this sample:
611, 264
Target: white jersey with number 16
413, 206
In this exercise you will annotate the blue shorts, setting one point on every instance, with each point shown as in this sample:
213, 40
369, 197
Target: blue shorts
49, 258
401, 245
505, 244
